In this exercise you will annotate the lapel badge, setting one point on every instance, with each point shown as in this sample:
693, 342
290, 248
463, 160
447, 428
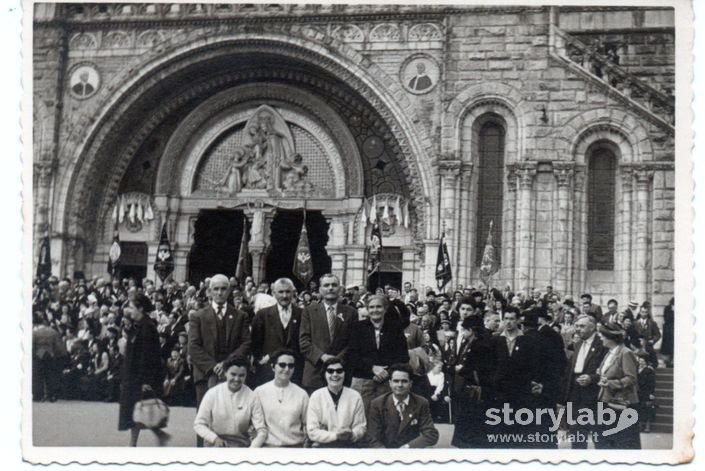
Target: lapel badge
340, 316
516, 349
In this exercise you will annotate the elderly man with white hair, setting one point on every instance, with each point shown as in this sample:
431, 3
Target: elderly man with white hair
216, 333
277, 327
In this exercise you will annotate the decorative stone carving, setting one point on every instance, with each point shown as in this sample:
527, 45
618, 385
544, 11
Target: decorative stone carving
83, 41
149, 38
526, 175
564, 172
385, 32
348, 33
117, 40
425, 32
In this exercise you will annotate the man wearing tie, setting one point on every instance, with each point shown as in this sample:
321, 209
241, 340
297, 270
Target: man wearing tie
276, 328
325, 331
401, 419
217, 332
580, 386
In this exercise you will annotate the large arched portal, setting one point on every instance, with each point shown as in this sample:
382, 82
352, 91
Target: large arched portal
183, 136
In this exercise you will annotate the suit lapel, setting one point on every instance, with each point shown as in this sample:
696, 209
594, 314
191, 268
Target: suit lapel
213, 324
275, 320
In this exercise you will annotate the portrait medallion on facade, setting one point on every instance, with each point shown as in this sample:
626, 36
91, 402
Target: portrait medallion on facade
84, 80
419, 74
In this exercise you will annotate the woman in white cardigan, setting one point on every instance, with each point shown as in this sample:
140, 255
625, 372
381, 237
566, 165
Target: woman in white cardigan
336, 416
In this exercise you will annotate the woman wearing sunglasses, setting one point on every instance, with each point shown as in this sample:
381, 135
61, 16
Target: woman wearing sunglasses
283, 404
336, 415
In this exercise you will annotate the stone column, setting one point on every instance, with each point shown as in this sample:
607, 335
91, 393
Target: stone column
624, 240
526, 173
465, 225
509, 269
259, 219
644, 177
336, 246
44, 171
561, 270
450, 170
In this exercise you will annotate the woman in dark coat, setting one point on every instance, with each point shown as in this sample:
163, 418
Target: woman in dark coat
472, 386
142, 371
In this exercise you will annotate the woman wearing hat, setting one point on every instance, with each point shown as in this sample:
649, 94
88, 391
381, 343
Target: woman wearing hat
618, 386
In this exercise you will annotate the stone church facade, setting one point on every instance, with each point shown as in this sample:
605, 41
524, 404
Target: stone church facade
553, 125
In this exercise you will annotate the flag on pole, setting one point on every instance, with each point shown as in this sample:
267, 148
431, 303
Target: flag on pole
373, 210
385, 212
488, 265
406, 214
114, 254
374, 259
243, 258
444, 272
164, 263
44, 260
397, 211
303, 264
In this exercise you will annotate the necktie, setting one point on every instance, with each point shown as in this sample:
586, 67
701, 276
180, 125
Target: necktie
400, 407
286, 315
220, 312
331, 321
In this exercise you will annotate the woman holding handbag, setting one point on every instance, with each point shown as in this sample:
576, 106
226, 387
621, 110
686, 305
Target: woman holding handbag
142, 370
618, 387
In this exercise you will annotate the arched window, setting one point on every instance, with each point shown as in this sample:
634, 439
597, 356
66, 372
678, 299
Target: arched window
602, 165
490, 182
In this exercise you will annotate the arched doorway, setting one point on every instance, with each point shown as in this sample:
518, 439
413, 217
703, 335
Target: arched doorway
285, 234
217, 237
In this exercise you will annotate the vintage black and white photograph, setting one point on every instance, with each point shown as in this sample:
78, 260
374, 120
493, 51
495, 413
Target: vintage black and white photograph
358, 226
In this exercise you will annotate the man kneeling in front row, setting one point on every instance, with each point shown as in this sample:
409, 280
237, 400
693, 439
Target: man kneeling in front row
400, 419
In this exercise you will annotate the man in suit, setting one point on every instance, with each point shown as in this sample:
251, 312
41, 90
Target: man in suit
48, 356
376, 343
216, 333
517, 378
325, 331
580, 381
611, 315
275, 328
401, 419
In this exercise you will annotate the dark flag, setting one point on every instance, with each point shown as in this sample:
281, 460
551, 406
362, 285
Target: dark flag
243, 260
44, 261
443, 270
114, 255
374, 259
303, 265
164, 263
488, 266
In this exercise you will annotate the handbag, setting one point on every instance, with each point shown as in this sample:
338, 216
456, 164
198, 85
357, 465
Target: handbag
150, 413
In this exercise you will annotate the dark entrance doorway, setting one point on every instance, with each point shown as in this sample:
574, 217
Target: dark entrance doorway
216, 246
389, 272
286, 230
133, 260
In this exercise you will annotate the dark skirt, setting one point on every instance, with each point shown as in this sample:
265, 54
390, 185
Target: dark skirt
130, 394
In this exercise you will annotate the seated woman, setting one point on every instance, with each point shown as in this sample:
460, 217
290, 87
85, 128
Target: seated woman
336, 416
228, 415
283, 404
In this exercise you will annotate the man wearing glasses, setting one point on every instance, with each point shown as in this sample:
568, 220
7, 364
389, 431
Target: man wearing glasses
283, 404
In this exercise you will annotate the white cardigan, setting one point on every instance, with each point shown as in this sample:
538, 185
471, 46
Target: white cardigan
323, 421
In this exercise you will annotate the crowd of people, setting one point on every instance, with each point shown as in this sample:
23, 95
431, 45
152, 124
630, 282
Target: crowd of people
335, 366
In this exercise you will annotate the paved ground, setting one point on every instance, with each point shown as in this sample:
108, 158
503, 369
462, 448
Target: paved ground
75, 423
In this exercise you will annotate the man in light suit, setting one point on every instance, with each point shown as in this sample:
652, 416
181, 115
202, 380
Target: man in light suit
325, 331
275, 328
216, 333
580, 381
401, 419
